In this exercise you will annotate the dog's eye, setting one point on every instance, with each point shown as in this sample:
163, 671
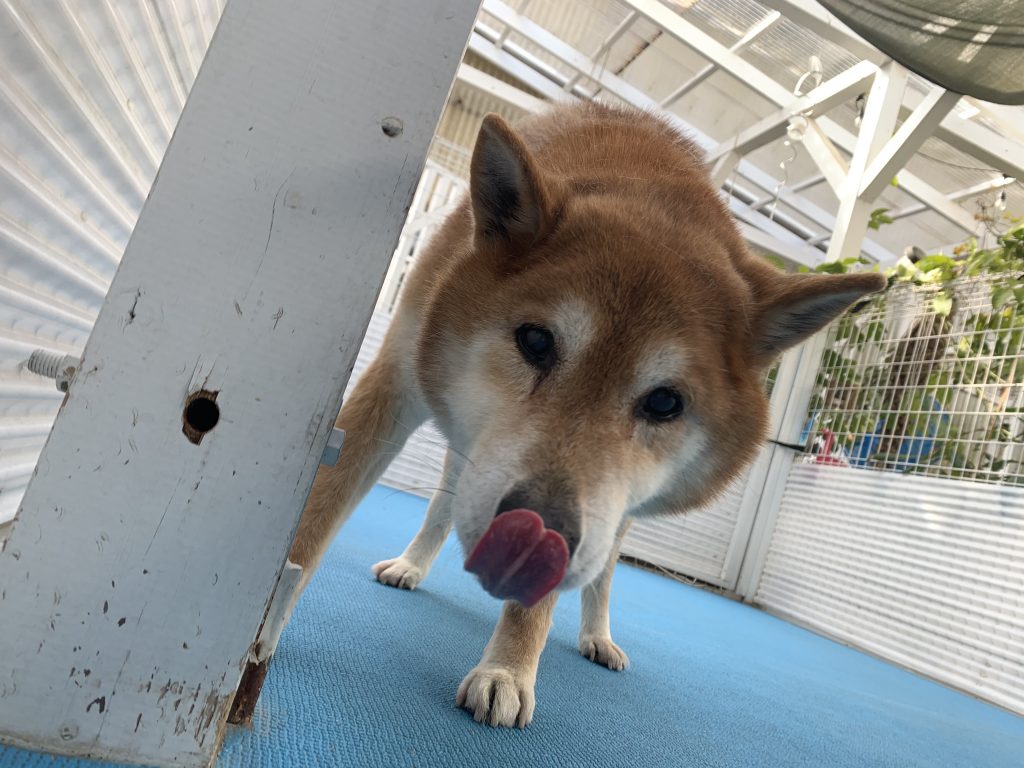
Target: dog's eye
661, 404
537, 345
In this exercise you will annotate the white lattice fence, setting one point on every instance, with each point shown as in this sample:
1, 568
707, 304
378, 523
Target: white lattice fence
901, 531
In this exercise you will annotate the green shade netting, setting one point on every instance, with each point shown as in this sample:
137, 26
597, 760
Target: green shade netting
972, 47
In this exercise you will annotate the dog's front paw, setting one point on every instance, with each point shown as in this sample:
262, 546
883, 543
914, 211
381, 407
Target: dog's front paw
497, 695
398, 572
601, 650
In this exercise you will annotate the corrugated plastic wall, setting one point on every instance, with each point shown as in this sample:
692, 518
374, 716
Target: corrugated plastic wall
89, 95
925, 571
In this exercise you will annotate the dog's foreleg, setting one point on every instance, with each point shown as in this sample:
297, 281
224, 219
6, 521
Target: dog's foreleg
595, 630
378, 418
499, 690
410, 568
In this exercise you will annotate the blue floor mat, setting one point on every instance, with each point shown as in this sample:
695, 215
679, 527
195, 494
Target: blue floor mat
365, 676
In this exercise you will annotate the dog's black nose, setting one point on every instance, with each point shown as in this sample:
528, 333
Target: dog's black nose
556, 508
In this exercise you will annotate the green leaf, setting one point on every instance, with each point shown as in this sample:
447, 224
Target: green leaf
1001, 295
936, 261
878, 217
942, 304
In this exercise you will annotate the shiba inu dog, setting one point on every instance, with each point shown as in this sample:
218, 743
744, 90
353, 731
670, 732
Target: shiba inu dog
590, 333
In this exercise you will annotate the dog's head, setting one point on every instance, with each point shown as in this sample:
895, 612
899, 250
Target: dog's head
593, 353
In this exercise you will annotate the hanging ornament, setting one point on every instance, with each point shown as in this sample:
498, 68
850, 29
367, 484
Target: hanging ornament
1001, 200
859, 106
784, 181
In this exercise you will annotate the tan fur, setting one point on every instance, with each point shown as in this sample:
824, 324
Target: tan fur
606, 220
595, 640
499, 690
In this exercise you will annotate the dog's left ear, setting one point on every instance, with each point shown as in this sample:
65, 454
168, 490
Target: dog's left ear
800, 305
513, 204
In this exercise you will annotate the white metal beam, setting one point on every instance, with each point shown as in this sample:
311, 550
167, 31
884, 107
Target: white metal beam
940, 204
606, 45
499, 89
723, 166
705, 45
771, 235
908, 182
158, 521
982, 143
526, 68
632, 95
960, 194
818, 101
758, 81
817, 19
1008, 119
822, 218
758, 29
979, 142
568, 55
523, 7
830, 162
798, 186
907, 140
736, 187
773, 239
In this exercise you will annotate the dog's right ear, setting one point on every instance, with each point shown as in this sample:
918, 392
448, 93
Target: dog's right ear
512, 203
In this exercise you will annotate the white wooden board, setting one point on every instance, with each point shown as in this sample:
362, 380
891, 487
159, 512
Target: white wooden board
140, 565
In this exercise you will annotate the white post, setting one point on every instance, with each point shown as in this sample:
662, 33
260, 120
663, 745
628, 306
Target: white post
794, 385
158, 521
880, 113
799, 367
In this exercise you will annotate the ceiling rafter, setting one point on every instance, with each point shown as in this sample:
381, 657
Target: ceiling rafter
580, 63
972, 138
752, 77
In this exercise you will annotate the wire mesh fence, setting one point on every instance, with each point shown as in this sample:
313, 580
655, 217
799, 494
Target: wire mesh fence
925, 379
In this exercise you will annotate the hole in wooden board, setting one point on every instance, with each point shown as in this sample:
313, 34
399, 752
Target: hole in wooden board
200, 415
392, 127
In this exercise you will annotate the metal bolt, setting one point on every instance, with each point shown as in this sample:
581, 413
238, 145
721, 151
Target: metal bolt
53, 365
69, 731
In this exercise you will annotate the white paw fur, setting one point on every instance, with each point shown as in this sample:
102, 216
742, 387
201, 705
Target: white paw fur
398, 572
601, 650
497, 696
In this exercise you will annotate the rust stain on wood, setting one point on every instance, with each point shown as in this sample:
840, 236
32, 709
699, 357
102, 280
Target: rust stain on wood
248, 693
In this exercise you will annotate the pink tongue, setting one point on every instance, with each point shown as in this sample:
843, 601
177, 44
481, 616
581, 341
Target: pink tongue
517, 558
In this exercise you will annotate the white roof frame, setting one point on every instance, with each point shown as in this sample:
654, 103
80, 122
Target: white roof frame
485, 42
825, 140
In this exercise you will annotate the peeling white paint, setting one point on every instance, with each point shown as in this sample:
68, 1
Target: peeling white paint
140, 556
